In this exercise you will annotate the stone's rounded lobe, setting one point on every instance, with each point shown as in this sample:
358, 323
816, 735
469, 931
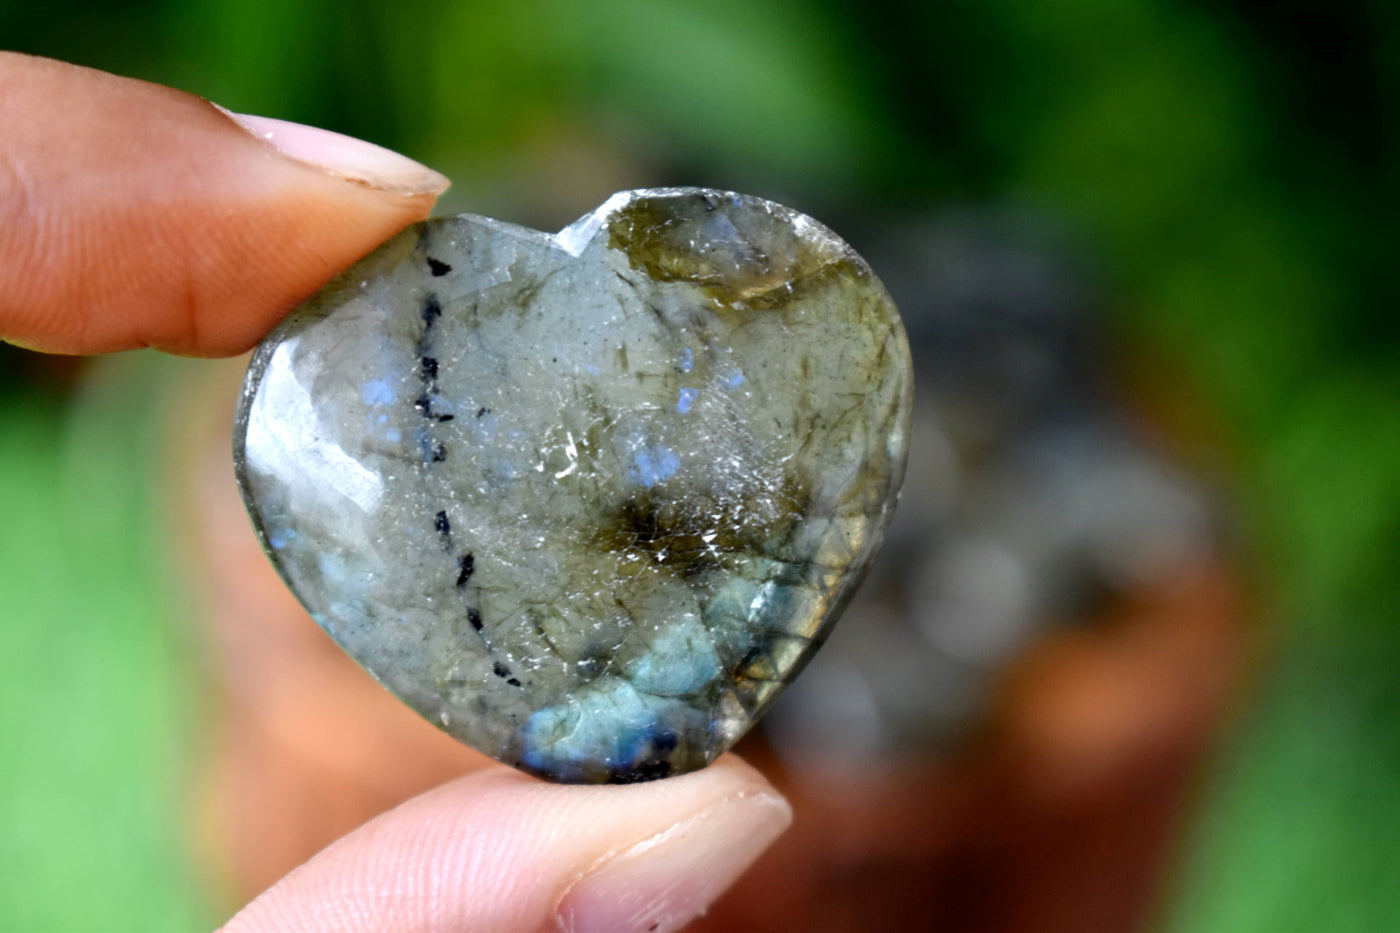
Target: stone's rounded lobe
586, 500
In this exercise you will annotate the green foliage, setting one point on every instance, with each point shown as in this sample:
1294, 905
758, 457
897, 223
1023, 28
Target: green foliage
91, 698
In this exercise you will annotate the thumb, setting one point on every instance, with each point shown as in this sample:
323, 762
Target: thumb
498, 851
135, 215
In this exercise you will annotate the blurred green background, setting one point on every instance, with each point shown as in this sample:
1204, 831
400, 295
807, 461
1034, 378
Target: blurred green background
1230, 165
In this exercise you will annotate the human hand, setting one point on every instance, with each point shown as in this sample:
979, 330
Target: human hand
134, 215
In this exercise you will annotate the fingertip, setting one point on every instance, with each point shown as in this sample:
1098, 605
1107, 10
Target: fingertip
665, 880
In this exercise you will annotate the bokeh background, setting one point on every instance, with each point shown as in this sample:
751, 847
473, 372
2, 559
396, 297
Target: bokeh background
1217, 181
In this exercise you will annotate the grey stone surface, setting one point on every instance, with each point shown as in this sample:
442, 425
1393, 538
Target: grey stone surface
586, 500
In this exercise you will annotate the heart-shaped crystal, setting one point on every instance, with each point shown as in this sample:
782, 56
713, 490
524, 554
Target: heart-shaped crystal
585, 500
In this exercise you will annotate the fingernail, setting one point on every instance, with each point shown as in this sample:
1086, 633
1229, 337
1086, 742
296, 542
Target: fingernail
664, 882
344, 156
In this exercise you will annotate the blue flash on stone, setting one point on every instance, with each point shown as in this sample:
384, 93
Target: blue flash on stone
377, 392
652, 464
681, 661
586, 500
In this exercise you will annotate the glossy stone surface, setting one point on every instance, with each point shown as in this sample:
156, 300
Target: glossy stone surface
585, 500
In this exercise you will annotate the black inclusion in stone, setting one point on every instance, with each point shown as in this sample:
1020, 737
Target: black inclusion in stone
465, 565
500, 670
512, 681
442, 525
432, 451
482, 411
649, 770
428, 368
431, 310
438, 268
474, 617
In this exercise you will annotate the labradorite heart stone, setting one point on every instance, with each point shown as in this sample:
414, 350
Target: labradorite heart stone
585, 500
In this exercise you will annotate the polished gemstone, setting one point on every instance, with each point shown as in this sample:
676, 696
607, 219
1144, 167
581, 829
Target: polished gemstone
586, 500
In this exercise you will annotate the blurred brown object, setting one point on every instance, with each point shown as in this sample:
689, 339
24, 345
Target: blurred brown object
1061, 811
1061, 815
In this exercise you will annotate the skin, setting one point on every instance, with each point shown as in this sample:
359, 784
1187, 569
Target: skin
133, 215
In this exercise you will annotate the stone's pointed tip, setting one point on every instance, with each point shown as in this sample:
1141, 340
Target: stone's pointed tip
591, 522
574, 238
